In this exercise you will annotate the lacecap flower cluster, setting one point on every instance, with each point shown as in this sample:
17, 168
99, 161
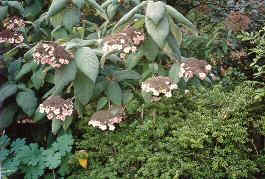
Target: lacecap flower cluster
56, 107
159, 85
10, 33
52, 54
192, 67
106, 119
125, 42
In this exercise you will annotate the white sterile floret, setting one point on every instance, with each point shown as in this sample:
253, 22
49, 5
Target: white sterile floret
173, 86
202, 76
155, 93
111, 127
168, 94
127, 49
208, 67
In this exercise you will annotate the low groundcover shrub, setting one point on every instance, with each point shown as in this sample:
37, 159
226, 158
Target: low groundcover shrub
205, 136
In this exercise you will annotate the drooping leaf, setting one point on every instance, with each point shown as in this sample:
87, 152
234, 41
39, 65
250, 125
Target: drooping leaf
7, 90
129, 15
64, 76
7, 115
174, 72
87, 62
114, 92
150, 49
3, 12
176, 32
27, 101
158, 32
126, 75
56, 6
173, 47
57, 19
59, 33
102, 103
180, 18
71, 18
155, 11
67, 122
83, 87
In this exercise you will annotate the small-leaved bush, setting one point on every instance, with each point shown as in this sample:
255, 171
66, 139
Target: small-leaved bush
198, 135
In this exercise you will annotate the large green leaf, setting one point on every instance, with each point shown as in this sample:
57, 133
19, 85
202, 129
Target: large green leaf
158, 32
27, 101
174, 72
3, 12
71, 18
126, 75
14, 4
180, 18
7, 90
7, 116
26, 68
87, 62
56, 6
114, 92
129, 15
102, 103
33, 10
83, 88
38, 78
150, 49
57, 19
155, 11
77, 43
64, 76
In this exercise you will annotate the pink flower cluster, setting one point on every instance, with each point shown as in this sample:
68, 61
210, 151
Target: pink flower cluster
11, 37
193, 67
11, 33
159, 85
13, 23
106, 119
57, 108
51, 54
125, 42
107, 125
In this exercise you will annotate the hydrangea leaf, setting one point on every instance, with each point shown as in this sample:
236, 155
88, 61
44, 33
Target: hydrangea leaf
27, 101
87, 62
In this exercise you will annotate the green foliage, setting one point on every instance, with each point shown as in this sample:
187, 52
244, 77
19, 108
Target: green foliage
30, 159
208, 135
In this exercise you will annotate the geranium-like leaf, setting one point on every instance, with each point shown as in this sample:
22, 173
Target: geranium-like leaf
87, 62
